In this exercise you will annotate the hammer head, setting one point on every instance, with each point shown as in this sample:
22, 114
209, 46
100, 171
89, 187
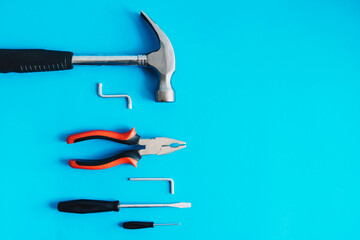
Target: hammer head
163, 61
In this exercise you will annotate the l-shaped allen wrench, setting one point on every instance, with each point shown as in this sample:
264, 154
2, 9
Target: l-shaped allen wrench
170, 180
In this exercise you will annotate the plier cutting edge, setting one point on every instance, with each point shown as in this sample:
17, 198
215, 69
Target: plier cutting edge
158, 146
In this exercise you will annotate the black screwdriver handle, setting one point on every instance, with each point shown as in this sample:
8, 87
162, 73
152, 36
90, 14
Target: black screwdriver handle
138, 225
88, 206
34, 60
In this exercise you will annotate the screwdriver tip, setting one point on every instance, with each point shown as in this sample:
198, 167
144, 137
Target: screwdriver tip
183, 205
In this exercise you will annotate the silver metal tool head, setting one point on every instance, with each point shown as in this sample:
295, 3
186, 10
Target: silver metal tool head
163, 61
160, 146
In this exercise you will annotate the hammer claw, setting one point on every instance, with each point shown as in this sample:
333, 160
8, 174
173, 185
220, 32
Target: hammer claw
163, 61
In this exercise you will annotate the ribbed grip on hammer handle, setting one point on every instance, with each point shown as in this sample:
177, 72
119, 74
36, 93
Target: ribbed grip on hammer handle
34, 60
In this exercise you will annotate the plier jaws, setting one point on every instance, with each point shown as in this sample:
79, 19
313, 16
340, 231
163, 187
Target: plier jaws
160, 145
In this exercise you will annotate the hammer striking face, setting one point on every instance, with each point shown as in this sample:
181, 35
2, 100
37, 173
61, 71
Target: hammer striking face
39, 60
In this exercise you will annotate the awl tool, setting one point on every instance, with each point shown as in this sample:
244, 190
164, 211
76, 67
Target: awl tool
158, 146
139, 225
94, 206
39, 60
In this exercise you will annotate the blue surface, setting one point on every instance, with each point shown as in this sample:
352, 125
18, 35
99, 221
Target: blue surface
267, 100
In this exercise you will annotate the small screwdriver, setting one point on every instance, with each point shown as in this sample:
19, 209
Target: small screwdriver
138, 225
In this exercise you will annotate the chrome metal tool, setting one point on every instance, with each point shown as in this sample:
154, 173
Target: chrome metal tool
170, 180
39, 60
115, 96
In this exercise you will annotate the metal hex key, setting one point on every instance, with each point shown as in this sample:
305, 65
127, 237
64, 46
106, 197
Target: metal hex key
114, 96
170, 180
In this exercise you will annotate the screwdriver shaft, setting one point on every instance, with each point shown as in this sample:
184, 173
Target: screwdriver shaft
175, 205
166, 224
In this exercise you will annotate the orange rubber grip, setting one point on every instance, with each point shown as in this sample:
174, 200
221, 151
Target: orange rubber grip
129, 138
130, 157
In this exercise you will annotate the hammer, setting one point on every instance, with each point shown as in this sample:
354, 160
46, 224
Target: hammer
39, 60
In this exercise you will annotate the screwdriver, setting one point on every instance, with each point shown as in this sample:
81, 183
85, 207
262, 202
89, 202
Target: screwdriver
94, 206
138, 225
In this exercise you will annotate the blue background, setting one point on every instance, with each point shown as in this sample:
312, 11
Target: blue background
267, 101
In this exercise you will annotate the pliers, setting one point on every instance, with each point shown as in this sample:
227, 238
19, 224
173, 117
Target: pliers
158, 146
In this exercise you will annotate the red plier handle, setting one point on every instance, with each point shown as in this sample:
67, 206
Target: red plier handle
128, 138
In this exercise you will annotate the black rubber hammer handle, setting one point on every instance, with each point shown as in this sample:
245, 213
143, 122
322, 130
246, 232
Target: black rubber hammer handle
34, 60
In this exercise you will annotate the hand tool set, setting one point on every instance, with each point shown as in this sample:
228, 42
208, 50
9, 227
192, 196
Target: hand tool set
158, 146
163, 62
